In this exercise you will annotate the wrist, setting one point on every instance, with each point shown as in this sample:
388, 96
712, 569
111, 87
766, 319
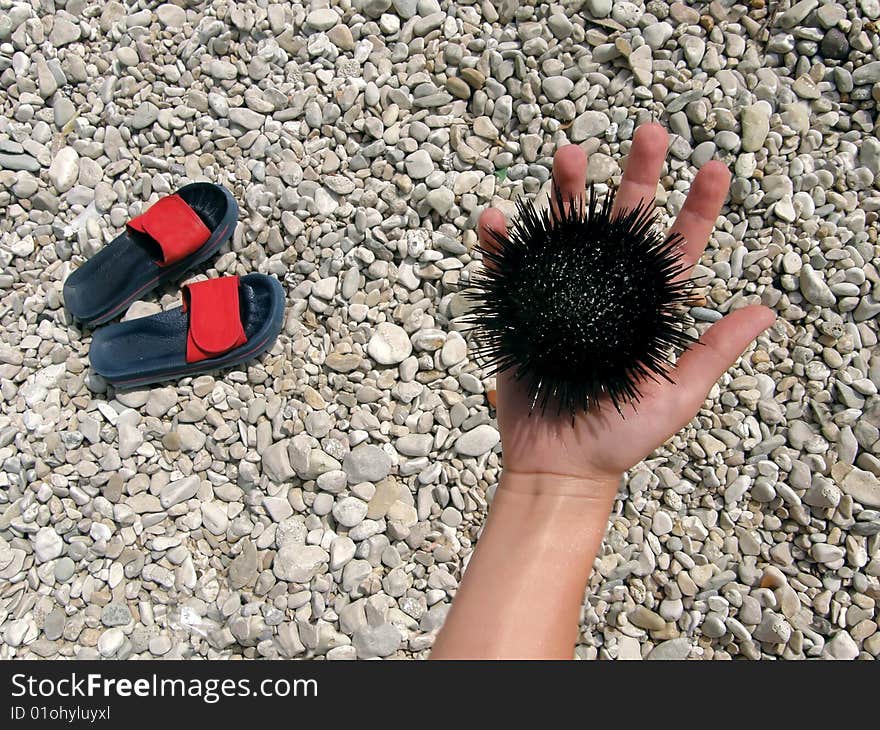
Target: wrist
548, 485
555, 509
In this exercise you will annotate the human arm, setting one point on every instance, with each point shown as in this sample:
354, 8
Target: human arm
522, 591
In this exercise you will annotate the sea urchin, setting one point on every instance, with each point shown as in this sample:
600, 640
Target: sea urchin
580, 303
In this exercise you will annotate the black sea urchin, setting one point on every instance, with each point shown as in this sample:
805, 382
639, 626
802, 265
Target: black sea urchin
580, 303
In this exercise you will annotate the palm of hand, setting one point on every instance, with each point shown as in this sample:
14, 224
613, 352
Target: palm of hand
593, 445
603, 443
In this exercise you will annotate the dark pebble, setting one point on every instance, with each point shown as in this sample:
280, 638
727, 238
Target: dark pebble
835, 45
865, 529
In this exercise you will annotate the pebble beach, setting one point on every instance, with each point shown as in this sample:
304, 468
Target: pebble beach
323, 500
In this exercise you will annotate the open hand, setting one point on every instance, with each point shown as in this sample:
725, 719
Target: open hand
598, 446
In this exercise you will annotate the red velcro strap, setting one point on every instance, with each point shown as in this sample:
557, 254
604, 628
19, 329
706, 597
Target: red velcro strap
175, 226
214, 318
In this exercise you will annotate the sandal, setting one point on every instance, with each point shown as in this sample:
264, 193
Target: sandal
173, 236
223, 322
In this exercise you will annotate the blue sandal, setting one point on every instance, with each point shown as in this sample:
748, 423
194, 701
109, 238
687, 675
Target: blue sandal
173, 236
223, 322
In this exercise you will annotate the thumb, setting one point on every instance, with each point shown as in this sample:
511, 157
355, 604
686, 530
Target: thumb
700, 367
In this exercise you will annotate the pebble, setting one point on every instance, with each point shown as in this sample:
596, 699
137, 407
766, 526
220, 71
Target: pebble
661, 523
341, 37
589, 124
841, 647
626, 13
159, 645
713, 627
830, 14
276, 462
656, 34
53, 626
458, 87
702, 153
646, 619
599, 8
601, 168
16, 632
171, 16
454, 350
773, 629
223, 71
814, 288
671, 650
18, 162
357, 457
64, 170
130, 439
868, 73
441, 200
215, 518
835, 45
110, 642
190, 438
642, 64
380, 641
243, 568
823, 553
478, 441
322, 19
557, 87
871, 8
366, 463
145, 115
64, 569
389, 344
115, 614
415, 444
127, 56
299, 563
179, 491
246, 118
48, 544
862, 486
755, 125
797, 13
349, 511
419, 165
63, 32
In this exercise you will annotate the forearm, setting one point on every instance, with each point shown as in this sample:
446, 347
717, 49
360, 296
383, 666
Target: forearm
521, 594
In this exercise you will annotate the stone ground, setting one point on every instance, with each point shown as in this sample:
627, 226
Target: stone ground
323, 500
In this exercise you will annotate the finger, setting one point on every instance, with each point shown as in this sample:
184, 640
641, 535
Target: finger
569, 173
700, 367
696, 220
491, 224
646, 157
